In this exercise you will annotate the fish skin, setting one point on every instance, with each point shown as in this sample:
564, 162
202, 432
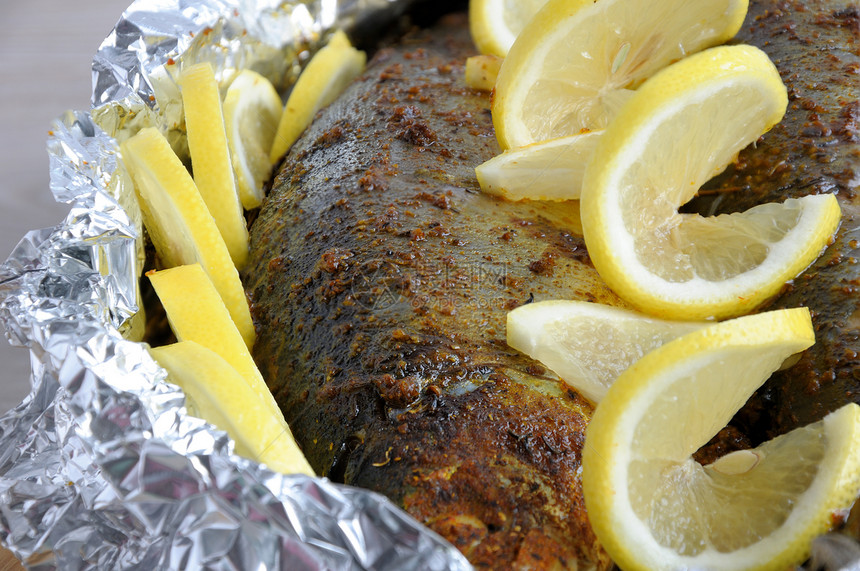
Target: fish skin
815, 45
380, 279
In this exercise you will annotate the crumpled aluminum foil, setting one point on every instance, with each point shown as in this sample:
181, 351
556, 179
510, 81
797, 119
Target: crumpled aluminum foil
100, 466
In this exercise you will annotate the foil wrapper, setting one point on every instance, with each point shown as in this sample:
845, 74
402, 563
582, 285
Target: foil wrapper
101, 467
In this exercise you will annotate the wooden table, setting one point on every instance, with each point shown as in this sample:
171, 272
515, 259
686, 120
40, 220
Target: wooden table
9, 562
45, 52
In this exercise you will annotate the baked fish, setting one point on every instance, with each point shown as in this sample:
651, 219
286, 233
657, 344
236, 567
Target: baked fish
380, 279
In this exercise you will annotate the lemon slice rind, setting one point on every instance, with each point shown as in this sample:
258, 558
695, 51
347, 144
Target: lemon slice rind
252, 108
217, 393
179, 224
574, 64
550, 170
648, 500
324, 78
210, 157
495, 24
833, 491
699, 298
682, 265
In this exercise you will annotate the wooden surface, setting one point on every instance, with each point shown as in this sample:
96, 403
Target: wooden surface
45, 52
8, 562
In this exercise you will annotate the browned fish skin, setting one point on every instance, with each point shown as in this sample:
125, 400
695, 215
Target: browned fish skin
815, 44
380, 281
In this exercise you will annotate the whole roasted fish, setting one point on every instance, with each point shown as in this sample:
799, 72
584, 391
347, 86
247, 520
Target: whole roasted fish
380, 278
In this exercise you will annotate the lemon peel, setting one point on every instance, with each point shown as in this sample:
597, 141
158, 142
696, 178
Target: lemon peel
179, 224
210, 157
252, 108
681, 127
325, 77
576, 62
217, 393
653, 507
495, 24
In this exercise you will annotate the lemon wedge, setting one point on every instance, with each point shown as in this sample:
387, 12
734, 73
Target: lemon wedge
495, 24
179, 224
481, 71
654, 507
252, 108
549, 170
327, 74
575, 63
683, 126
217, 393
196, 313
210, 157
588, 344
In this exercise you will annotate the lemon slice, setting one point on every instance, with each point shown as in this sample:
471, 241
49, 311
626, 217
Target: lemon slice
196, 313
252, 108
179, 224
217, 393
549, 170
210, 157
495, 24
481, 71
327, 74
654, 507
588, 344
683, 126
574, 64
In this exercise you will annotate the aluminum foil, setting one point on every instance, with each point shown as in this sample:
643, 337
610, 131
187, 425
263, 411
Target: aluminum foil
100, 466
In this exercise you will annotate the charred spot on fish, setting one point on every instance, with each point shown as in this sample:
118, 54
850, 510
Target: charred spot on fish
332, 135
330, 289
408, 125
278, 263
437, 230
335, 260
848, 17
337, 471
392, 72
545, 265
847, 125
378, 284
439, 199
399, 392
373, 180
